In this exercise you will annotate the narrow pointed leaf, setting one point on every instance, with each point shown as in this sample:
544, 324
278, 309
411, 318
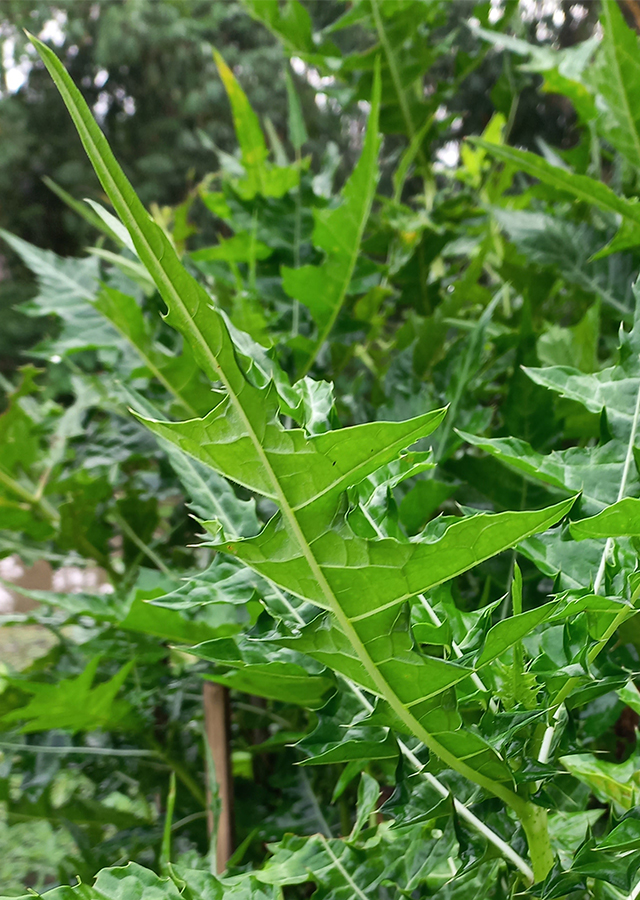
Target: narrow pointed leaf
338, 233
297, 130
510, 631
583, 188
617, 79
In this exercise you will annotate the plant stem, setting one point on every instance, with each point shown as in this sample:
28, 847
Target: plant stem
464, 813
165, 853
183, 775
297, 228
402, 97
31, 497
535, 824
356, 892
142, 547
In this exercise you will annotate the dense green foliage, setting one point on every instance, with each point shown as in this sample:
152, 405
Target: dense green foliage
457, 689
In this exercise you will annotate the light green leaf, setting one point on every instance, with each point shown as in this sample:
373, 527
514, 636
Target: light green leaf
368, 797
619, 783
567, 246
341, 736
112, 225
310, 470
65, 284
630, 696
242, 247
94, 218
72, 704
510, 631
614, 389
270, 181
211, 497
216, 620
178, 374
248, 130
129, 267
595, 473
289, 21
285, 682
621, 519
297, 130
576, 346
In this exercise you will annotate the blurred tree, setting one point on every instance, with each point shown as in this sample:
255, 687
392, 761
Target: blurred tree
146, 69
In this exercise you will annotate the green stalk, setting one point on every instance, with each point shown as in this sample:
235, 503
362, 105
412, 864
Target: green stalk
536, 827
297, 230
165, 853
183, 775
145, 549
32, 498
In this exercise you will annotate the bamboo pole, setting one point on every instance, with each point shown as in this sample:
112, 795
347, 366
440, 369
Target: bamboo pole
217, 732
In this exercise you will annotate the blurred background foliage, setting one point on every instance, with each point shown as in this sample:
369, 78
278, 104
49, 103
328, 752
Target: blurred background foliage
466, 271
147, 69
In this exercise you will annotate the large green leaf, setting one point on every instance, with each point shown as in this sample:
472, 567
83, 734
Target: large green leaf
308, 548
22, 461
594, 472
309, 470
134, 881
211, 497
509, 631
619, 783
614, 389
66, 289
65, 284
568, 247
278, 681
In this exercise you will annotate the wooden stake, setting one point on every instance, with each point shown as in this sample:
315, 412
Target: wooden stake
217, 730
